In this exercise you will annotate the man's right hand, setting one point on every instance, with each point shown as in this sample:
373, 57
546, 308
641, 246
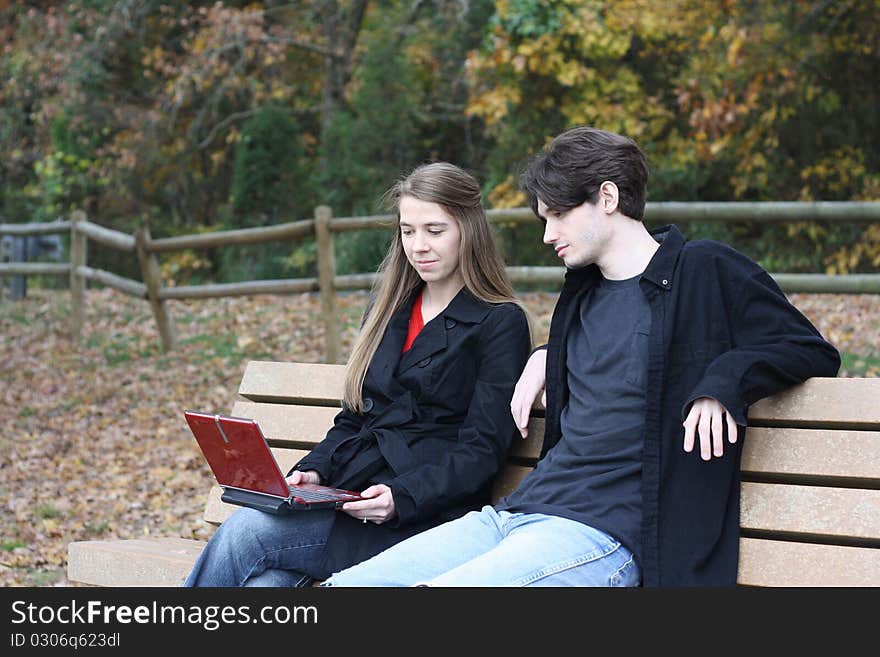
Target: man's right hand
531, 383
303, 477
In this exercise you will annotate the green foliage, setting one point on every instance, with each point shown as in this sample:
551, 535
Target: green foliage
800, 247
361, 251
26, 411
205, 114
38, 577
528, 19
859, 365
97, 528
266, 176
61, 180
46, 511
521, 245
369, 144
225, 346
270, 184
263, 261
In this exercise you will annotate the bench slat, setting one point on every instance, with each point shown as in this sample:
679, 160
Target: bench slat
818, 402
530, 448
217, 511
814, 510
507, 481
817, 453
841, 512
305, 426
135, 562
845, 403
783, 563
320, 384
166, 562
758, 566
289, 426
851, 455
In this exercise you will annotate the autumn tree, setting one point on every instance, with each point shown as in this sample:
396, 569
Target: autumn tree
194, 116
731, 101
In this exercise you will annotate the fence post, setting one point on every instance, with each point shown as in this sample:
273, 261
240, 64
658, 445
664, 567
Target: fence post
326, 274
153, 280
78, 257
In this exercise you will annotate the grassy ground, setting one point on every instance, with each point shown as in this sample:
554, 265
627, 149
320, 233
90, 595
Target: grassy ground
96, 446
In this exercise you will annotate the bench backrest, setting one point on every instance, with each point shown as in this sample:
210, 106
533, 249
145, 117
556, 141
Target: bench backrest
811, 468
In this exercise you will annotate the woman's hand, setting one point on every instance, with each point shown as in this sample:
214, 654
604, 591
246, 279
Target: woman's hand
378, 507
303, 477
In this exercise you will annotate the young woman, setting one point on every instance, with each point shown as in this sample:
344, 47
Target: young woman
426, 420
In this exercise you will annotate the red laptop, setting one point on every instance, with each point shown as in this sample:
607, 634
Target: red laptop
245, 467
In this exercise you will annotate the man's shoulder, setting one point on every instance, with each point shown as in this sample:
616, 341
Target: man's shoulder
707, 247
706, 252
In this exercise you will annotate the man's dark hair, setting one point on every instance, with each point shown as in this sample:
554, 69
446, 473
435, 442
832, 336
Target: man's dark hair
571, 169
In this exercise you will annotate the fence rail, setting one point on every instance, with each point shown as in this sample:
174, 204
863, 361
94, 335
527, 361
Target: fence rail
667, 212
237, 237
323, 227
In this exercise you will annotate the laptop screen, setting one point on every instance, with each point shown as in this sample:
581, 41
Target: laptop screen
237, 453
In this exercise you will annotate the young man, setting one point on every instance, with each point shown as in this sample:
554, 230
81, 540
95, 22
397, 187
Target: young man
657, 348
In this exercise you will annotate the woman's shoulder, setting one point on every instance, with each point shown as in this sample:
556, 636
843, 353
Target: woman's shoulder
506, 308
507, 313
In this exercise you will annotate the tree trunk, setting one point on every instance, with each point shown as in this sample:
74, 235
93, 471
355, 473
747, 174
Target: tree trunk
341, 30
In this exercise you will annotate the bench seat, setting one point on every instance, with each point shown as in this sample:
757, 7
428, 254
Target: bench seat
810, 511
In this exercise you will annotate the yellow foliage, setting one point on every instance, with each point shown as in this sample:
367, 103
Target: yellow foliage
569, 74
179, 267
864, 252
841, 174
508, 195
492, 105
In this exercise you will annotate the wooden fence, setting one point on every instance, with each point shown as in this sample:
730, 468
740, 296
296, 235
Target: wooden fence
323, 227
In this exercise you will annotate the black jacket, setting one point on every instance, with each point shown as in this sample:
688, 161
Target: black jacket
437, 424
720, 328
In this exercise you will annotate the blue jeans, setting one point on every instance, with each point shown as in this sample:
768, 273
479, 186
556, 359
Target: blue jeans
489, 548
252, 548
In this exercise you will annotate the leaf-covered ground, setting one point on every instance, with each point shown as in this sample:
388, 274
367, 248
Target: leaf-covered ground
94, 445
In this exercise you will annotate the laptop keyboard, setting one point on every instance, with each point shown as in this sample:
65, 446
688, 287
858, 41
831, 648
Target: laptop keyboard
319, 496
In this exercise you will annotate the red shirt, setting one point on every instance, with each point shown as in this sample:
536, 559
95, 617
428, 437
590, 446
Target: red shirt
416, 323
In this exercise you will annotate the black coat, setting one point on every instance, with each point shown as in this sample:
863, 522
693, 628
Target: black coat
720, 328
436, 427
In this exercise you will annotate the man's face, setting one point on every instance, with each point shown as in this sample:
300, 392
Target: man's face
579, 236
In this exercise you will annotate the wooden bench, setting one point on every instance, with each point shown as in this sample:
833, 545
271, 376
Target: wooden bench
810, 497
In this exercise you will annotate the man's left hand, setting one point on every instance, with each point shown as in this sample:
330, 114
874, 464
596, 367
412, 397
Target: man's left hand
706, 419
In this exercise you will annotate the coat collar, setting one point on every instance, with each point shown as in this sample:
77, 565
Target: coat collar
388, 359
464, 308
659, 270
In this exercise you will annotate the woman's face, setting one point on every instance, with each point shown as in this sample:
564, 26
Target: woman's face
431, 239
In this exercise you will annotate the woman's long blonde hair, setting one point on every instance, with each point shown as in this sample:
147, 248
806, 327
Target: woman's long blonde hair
481, 265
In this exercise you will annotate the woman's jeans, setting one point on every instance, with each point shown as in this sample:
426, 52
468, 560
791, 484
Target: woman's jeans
489, 548
253, 548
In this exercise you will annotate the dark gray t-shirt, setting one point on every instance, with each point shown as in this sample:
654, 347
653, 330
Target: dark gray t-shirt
593, 474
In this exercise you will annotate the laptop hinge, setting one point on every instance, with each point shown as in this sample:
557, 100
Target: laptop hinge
220, 429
